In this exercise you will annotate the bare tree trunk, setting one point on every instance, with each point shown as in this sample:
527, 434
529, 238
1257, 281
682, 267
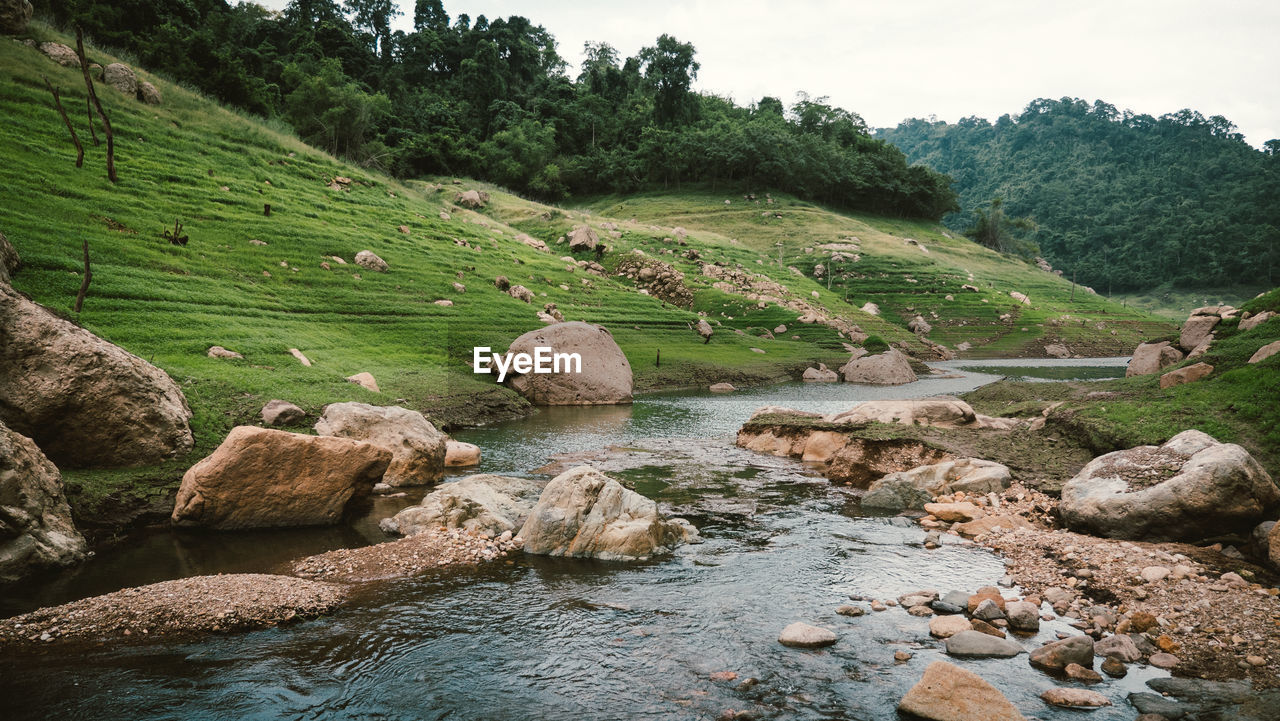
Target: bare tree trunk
57, 100
84, 283
106, 123
88, 109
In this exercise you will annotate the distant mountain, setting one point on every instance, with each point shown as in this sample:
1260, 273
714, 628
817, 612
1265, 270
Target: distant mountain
1125, 201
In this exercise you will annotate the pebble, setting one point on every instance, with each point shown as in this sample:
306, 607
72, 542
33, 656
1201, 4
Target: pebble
1151, 574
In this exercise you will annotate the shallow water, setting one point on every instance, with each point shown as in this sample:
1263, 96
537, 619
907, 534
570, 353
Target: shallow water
553, 639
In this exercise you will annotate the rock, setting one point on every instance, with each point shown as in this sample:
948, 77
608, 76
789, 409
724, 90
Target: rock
365, 380
501, 283
888, 368
1022, 616
521, 293
981, 626
84, 401
704, 329
1114, 667
605, 377
584, 513
948, 626
918, 486
121, 77
1265, 352
367, 259
1057, 655
1119, 647
852, 611
975, 644
1150, 358
9, 262
947, 692
988, 610
1057, 350
722, 388
802, 635
1186, 374
985, 593
950, 512
987, 524
1151, 574
1190, 488
14, 16
61, 54
1163, 660
1020, 297
149, 93
217, 351
471, 199
301, 358
940, 411
583, 238
36, 529
1074, 698
1254, 321
871, 308
417, 448
919, 326
263, 478
1076, 672
1273, 545
1196, 330
282, 413
532, 242
481, 504
821, 374
458, 454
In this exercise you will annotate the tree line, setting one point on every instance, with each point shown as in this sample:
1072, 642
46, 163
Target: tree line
1125, 201
493, 99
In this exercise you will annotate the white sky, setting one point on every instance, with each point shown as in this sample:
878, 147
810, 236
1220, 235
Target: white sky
896, 59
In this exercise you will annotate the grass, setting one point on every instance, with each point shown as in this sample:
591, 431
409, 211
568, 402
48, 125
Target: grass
214, 170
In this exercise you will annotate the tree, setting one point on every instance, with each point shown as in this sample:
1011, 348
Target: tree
430, 15
995, 230
670, 69
375, 16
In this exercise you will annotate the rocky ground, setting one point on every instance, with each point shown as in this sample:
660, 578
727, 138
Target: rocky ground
175, 608
1210, 611
405, 557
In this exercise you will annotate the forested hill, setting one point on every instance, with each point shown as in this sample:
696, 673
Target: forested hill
492, 99
1127, 202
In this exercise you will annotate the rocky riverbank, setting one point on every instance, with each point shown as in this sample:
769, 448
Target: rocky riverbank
174, 610
431, 549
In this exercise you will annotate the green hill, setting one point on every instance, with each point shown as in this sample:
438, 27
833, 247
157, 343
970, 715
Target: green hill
257, 284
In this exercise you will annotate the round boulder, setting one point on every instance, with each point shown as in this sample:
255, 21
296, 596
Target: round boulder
600, 376
1188, 489
121, 77
888, 369
368, 259
417, 448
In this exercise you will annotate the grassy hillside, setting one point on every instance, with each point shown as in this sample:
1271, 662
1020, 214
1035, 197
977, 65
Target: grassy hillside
905, 278
213, 170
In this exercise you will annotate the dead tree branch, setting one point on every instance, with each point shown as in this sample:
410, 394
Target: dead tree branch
84, 283
97, 104
57, 101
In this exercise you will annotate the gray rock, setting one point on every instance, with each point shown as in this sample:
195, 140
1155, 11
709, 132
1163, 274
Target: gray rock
481, 503
888, 368
802, 635
605, 376
945, 607
1057, 655
976, 644
36, 530
1150, 358
1215, 488
1022, 616
1204, 691
918, 486
122, 78
1150, 703
1119, 647
988, 611
368, 259
282, 413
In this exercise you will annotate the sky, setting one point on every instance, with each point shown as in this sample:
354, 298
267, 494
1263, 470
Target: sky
892, 60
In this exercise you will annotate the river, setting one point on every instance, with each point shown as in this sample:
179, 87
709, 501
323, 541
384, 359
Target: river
574, 639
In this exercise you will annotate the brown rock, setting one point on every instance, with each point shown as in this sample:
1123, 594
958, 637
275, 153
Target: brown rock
951, 512
1057, 655
948, 626
981, 626
986, 592
987, 524
1076, 672
61, 54
1186, 374
36, 530
365, 380
1114, 667
417, 449
1074, 698
1196, 330
583, 238
84, 401
605, 376
1265, 352
947, 692
263, 478
1149, 358
888, 368
149, 93
459, 454
9, 262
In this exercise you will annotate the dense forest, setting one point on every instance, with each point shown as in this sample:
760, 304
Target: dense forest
1125, 201
493, 99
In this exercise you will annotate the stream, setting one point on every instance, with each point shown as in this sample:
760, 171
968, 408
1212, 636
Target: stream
569, 638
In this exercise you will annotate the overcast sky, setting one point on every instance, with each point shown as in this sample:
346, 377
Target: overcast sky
891, 60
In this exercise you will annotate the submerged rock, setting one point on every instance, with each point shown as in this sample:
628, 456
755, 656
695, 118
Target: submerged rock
36, 530
1190, 488
584, 513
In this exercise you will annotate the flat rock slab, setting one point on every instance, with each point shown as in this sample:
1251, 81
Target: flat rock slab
975, 644
1074, 698
947, 692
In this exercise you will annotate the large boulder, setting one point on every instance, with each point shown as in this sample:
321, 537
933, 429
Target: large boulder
417, 448
484, 504
1188, 489
584, 513
369, 260
820, 374
918, 486
1186, 374
36, 531
14, 16
149, 93
583, 238
84, 401
947, 692
122, 78
942, 411
1265, 352
1150, 358
9, 262
61, 54
1254, 321
264, 478
887, 369
605, 375
1197, 330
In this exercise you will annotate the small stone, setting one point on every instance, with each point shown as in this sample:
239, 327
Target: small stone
877, 606
851, 611
1074, 698
724, 676
1114, 667
901, 656
1151, 574
1076, 672
1164, 660
987, 610
983, 627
